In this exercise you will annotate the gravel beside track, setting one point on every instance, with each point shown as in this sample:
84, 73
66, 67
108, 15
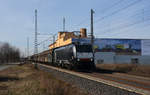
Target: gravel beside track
90, 86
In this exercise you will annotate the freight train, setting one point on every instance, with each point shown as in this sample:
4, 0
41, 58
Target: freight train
72, 56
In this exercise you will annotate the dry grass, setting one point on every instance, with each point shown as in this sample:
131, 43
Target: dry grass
134, 69
25, 80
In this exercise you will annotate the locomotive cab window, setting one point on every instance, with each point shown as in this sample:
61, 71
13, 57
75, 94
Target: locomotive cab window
84, 48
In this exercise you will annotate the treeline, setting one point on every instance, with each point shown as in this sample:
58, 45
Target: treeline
8, 53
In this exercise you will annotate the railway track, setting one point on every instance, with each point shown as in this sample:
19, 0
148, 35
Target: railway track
133, 82
103, 83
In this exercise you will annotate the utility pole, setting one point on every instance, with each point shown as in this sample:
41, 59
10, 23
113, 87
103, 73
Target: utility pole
35, 42
43, 46
53, 41
92, 36
25, 52
143, 13
63, 24
27, 46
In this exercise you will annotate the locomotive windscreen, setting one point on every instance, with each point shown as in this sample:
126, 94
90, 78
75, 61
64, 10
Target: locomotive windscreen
84, 48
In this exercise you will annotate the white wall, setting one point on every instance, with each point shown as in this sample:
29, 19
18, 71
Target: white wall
144, 59
107, 57
124, 58
111, 57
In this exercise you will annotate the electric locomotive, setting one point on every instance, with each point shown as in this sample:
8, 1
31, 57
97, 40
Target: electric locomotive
73, 56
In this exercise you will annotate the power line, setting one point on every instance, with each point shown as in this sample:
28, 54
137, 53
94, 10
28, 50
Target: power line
117, 11
83, 21
136, 23
48, 39
86, 19
44, 41
115, 4
129, 25
137, 14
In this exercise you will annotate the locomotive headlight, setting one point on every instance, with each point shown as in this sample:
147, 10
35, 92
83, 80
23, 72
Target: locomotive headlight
78, 59
91, 59
72, 57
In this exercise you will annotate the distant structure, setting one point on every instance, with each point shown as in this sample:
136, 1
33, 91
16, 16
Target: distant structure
64, 24
65, 38
27, 46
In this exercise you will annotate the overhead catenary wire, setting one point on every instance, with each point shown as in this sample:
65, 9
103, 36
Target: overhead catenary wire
138, 13
88, 18
126, 24
117, 11
107, 9
45, 41
132, 24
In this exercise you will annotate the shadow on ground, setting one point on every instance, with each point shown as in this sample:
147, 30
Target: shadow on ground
106, 71
99, 70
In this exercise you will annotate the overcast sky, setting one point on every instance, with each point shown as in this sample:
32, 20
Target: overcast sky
112, 19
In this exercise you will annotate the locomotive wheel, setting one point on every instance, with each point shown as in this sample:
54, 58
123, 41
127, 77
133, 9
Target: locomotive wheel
69, 66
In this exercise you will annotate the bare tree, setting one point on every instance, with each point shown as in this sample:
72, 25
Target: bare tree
9, 53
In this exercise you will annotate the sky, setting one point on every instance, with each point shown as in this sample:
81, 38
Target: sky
112, 19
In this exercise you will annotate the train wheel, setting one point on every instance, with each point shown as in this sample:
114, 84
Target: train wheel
68, 66
93, 67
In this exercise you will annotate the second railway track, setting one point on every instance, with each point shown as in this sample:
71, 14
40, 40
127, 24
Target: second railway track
102, 84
